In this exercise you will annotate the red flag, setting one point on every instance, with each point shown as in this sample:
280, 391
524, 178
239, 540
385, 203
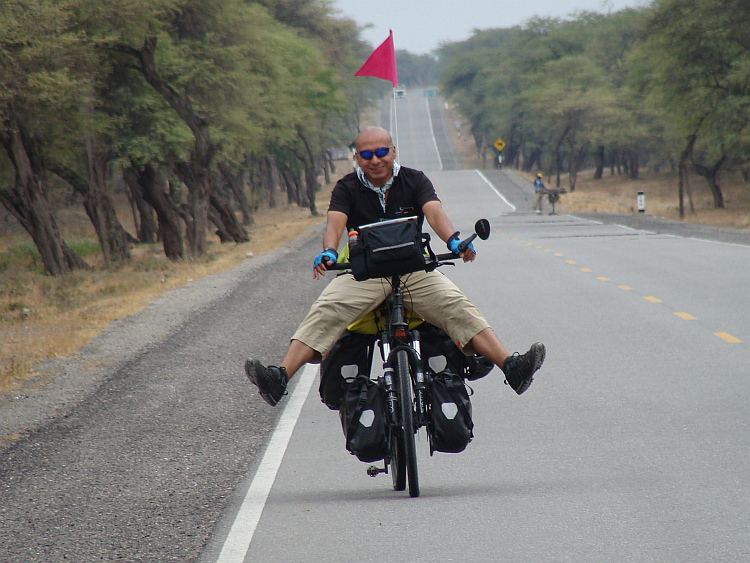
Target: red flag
382, 62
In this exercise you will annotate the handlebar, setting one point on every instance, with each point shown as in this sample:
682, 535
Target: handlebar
481, 228
441, 259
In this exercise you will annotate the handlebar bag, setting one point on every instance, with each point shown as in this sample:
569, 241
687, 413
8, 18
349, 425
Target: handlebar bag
450, 427
388, 248
363, 419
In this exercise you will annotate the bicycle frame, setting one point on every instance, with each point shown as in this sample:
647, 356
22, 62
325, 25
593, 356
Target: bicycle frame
405, 389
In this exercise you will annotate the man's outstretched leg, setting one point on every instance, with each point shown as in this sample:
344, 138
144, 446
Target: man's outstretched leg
519, 369
271, 381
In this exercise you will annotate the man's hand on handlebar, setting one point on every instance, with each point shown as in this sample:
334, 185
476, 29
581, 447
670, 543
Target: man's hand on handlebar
326, 257
461, 248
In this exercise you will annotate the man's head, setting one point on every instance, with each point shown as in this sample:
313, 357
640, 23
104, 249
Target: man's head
378, 169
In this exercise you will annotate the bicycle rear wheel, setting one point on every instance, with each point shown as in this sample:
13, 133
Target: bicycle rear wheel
406, 406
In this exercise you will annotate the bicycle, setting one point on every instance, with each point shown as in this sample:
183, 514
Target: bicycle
404, 381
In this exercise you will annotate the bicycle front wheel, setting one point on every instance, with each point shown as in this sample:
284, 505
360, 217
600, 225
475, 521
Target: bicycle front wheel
406, 406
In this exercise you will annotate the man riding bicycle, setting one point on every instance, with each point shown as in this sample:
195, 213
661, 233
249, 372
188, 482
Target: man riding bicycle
381, 189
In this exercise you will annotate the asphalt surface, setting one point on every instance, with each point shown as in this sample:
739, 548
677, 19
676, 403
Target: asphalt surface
131, 450
628, 447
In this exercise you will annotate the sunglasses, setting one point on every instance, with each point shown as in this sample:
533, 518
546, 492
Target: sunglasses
380, 153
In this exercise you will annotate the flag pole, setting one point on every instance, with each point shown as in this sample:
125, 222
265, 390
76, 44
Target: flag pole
395, 118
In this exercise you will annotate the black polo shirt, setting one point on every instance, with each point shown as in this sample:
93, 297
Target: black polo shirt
410, 190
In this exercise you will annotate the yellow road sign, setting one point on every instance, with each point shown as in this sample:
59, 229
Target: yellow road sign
499, 144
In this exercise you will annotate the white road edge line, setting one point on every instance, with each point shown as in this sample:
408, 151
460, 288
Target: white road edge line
490, 184
432, 132
243, 528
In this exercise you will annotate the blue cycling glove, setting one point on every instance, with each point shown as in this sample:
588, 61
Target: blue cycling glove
454, 241
328, 255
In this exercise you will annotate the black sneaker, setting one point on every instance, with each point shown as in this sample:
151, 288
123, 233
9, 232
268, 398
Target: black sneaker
271, 381
519, 370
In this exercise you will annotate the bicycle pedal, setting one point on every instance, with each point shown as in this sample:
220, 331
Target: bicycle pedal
373, 470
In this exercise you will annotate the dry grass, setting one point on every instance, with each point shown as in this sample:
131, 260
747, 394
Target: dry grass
49, 317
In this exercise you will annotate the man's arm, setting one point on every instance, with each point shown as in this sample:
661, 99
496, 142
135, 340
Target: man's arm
441, 224
335, 225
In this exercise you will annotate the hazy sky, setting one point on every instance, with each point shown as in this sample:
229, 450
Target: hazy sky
421, 25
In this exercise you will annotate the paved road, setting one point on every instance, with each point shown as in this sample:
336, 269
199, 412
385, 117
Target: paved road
629, 445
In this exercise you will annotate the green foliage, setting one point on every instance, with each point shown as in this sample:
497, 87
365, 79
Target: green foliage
262, 74
633, 84
416, 70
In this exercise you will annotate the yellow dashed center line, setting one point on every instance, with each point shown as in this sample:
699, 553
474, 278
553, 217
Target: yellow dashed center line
686, 316
728, 337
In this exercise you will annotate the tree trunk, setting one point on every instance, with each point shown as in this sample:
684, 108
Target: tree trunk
143, 214
633, 164
228, 219
711, 174
287, 176
558, 156
682, 168
576, 158
599, 157
535, 158
327, 166
234, 182
311, 176
26, 201
170, 224
114, 240
267, 182
221, 230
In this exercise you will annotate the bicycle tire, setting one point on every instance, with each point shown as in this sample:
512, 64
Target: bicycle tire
398, 460
406, 408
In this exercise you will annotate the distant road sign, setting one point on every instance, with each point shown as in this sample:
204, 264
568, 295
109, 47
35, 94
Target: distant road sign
499, 144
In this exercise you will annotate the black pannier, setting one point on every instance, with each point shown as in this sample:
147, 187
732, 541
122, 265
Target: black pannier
450, 428
388, 248
440, 353
350, 356
363, 419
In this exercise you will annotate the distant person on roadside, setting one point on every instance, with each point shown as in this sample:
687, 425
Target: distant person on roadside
538, 185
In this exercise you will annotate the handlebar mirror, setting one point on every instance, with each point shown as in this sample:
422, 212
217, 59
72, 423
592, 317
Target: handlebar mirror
482, 228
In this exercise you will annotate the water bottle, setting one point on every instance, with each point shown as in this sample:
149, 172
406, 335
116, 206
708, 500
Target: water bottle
353, 239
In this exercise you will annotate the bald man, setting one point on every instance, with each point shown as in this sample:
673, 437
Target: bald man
380, 189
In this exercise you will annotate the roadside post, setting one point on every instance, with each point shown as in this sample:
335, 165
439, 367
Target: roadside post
641, 202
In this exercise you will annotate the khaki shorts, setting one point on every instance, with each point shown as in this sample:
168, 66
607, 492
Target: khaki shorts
429, 294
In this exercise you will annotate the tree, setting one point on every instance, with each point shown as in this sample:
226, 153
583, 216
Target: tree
35, 73
701, 72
